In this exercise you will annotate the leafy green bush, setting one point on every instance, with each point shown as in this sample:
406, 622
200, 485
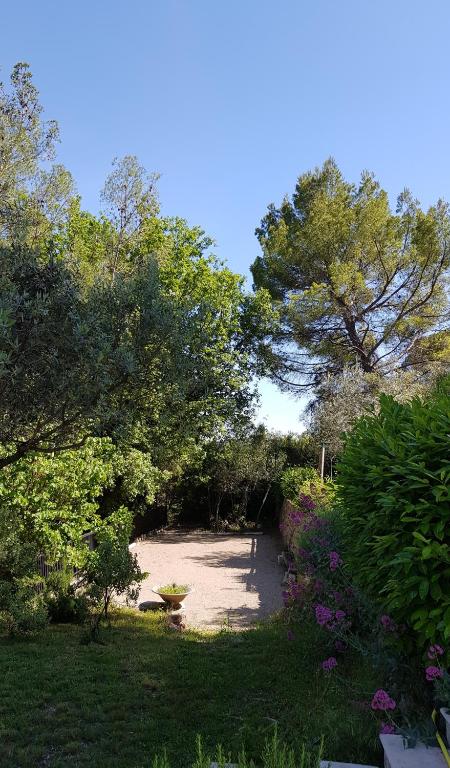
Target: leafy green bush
63, 603
296, 480
22, 609
111, 569
394, 489
306, 481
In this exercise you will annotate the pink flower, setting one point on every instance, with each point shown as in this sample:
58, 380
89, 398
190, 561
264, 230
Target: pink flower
382, 700
335, 560
323, 615
434, 651
329, 664
340, 615
387, 728
433, 673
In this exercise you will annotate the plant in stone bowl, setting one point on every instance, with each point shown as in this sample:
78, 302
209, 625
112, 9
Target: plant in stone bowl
173, 593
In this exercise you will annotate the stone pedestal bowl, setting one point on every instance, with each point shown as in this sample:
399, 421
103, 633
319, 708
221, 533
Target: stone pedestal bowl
172, 600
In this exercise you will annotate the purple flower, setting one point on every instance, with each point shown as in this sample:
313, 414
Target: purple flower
388, 624
296, 590
290, 634
387, 728
293, 592
307, 502
433, 673
434, 651
335, 560
323, 615
329, 664
340, 646
340, 615
303, 553
382, 700
319, 585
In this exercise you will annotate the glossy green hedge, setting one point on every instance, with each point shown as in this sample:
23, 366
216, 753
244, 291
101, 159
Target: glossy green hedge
394, 489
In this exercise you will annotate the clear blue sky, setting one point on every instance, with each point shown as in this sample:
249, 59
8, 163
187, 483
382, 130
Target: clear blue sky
230, 100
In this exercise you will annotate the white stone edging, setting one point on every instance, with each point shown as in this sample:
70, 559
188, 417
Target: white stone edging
420, 756
445, 712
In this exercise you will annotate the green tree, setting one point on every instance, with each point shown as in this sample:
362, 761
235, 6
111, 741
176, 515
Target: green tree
34, 195
73, 365
111, 569
49, 502
238, 468
343, 398
355, 283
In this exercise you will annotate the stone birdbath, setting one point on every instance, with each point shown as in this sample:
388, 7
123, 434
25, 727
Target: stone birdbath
173, 594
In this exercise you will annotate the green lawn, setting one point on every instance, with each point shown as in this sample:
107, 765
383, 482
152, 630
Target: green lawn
116, 705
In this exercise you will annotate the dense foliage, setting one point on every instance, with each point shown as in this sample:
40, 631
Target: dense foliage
297, 480
231, 483
126, 349
394, 487
123, 325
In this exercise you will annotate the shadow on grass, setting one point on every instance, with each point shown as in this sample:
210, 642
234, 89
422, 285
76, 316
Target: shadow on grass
147, 689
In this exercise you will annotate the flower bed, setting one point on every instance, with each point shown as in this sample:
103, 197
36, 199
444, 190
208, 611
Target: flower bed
323, 589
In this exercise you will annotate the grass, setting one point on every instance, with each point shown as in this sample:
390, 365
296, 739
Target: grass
148, 689
174, 589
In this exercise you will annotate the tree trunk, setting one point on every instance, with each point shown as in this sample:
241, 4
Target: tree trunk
263, 502
219, 501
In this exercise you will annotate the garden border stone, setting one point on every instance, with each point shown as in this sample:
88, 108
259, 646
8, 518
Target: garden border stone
396, 756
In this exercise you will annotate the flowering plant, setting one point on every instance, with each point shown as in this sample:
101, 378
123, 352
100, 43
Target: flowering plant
437, 674
351, 622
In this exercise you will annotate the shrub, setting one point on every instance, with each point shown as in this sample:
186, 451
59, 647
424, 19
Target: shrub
111, 569
302, 480
22, 609
394, 489
320, 587
64, 605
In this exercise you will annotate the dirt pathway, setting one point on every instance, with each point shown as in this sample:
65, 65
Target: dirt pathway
236, 578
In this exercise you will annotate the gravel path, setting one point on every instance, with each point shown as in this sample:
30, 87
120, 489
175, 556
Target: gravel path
236, 578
